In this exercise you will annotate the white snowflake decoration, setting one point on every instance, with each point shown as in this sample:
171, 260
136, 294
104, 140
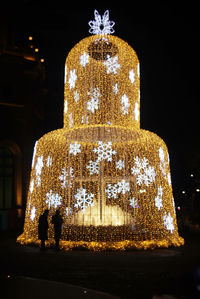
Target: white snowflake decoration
125, 104
31, 186
104, 151
93, 167
120, 187
39, 165
72, 78
33, 210
76, 96
92, 105
75, 148
133, 202
123, 187
49, 161
65, 177
168, 222
144, 173
136, 111
83, 199
132, 76
53, 199
112, 64
84, 59
112, 190
158, 199
101, 25
120, 164
115, 88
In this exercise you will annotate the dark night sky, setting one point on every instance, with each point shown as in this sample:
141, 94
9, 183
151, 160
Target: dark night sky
168, 50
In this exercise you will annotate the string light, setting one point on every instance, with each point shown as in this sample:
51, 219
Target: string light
109, 178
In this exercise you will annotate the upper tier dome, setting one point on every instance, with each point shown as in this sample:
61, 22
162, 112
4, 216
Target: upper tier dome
102, 83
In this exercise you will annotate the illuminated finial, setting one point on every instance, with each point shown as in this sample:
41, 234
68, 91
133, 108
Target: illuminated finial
101, 25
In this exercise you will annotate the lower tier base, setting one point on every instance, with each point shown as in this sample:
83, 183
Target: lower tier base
103, 246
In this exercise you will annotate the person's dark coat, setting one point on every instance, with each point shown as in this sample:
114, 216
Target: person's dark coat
43, 227
57, 222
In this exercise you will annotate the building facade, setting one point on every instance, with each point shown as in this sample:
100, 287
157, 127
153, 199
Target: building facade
22, 94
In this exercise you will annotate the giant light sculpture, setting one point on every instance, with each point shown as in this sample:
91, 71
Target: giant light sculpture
109, 178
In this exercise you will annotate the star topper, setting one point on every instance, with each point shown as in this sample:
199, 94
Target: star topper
101, 24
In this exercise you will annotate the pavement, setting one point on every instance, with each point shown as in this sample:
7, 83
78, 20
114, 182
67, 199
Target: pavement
25, 272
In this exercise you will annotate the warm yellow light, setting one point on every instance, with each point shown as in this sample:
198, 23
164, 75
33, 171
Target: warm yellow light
110, 179
30, 38
36, 50
42, 59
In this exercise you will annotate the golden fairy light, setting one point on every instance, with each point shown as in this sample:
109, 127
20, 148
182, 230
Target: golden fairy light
110, 179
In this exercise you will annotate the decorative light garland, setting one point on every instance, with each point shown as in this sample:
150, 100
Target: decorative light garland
109, 178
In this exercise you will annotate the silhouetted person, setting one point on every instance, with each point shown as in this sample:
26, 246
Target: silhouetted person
43, 228
57, 222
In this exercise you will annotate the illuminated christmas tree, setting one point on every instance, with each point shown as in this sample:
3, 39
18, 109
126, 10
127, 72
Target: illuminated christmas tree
110, 179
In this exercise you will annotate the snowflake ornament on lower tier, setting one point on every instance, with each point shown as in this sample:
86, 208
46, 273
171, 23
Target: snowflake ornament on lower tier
93, 167
101, 25
53, 199
66, 176
168, 222
123, 187
75, 148
145, 174
158, 199
112, 191
120, 164
49, 161
119, 187
33, 211
83, 199
104, 151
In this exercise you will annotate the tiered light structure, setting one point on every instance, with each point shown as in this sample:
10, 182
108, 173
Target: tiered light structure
109, 178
